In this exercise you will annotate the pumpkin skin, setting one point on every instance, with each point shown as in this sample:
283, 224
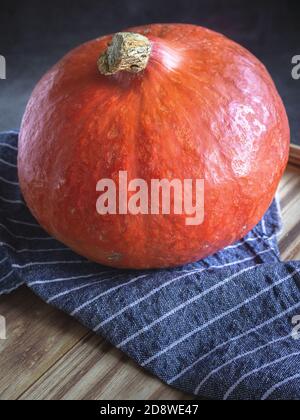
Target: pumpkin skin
204, 108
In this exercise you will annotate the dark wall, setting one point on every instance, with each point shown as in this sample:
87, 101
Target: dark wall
34, 35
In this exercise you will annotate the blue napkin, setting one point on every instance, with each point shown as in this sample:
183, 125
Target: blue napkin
220, 328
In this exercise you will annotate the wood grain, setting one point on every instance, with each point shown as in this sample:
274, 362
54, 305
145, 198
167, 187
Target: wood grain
94, 370
289, 193
295, 155
38, 336
50, 356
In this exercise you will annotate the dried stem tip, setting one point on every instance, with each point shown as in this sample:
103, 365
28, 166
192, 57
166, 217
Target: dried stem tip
127, 52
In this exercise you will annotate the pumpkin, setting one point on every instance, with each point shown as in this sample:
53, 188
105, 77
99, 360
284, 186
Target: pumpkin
167, 102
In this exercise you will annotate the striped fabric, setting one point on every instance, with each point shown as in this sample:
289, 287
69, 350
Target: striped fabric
220, 328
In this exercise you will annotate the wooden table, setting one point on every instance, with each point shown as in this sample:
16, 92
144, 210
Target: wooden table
48, 355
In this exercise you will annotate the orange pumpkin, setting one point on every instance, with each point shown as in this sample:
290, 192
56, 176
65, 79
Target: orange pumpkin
180, 102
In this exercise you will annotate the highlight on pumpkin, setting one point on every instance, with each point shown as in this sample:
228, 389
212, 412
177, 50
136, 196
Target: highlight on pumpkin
160, 197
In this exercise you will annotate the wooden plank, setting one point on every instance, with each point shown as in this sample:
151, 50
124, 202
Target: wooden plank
37, 336
289, 192
49, 356
94, 370
295, 155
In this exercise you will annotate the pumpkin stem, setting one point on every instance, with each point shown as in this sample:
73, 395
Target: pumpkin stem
127, 52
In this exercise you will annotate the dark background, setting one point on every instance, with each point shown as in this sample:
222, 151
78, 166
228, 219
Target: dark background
34, 35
